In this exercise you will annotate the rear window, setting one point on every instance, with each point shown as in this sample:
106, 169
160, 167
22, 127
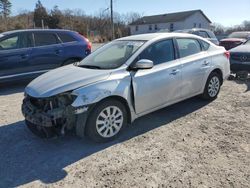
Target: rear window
204, 45
66, 37
44, 39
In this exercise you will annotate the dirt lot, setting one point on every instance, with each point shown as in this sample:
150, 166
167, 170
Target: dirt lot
190, 144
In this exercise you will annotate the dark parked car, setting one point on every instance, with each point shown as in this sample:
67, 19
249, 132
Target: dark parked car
204, 33
235, 39
240, 59
29, 53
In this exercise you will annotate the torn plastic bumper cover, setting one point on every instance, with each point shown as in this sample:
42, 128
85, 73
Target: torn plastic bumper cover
56, 111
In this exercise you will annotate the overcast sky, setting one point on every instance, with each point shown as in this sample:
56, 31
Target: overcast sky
226, 12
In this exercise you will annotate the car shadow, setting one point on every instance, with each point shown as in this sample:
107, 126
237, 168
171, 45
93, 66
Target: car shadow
13, 87
238, 81
25, 158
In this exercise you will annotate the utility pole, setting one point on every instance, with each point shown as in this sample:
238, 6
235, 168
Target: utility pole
42, 23
112, 20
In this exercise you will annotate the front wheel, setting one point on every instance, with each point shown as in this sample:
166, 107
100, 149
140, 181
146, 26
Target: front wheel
106, 121
212, 87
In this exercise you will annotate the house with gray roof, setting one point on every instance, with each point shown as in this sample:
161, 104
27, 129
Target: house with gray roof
170, 22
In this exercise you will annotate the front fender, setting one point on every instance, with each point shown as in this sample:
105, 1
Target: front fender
116, 85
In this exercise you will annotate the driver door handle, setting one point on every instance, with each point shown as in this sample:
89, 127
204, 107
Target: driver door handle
175, 71
24, 56
58, 51
205, 63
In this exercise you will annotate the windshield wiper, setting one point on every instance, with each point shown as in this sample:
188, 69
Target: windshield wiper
90, 66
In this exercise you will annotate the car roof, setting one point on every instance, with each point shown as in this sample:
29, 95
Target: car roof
35, 30
151, 36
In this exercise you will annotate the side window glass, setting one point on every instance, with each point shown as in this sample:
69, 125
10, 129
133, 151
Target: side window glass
205, 45
9, 43
188, 47
25, 40
44, 39
30, 40
159, 52
66, 37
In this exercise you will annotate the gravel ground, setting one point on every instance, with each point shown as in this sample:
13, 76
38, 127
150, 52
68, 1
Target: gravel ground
190, 144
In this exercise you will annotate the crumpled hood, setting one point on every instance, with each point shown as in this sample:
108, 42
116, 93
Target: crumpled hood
241, 48
64, 79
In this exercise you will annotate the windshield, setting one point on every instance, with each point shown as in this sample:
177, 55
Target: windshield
111, 55
239, 35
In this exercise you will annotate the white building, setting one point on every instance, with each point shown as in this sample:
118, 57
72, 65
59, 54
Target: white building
170, 22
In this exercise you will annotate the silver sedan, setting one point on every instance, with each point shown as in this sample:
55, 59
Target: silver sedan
121, 81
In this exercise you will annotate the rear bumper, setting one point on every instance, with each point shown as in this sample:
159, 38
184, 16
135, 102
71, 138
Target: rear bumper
237, 66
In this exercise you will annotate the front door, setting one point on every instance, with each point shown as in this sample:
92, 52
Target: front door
161, 84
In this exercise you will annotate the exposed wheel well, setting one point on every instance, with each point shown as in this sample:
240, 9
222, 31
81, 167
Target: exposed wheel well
219, 72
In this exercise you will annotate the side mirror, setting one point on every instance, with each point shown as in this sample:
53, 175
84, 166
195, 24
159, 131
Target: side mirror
143, 64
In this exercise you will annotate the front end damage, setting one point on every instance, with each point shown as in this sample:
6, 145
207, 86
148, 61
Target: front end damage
52, 116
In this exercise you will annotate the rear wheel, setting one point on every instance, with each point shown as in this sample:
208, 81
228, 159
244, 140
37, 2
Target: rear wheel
212, 87
106, 121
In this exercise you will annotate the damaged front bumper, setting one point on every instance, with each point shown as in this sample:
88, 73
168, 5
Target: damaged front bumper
53, 112
41, 118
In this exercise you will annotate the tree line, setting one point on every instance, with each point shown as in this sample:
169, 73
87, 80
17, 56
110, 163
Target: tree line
219, 29
96, 27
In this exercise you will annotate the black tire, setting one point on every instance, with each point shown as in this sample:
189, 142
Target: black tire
69, 61
42, 132
242, 75
207, 95
231, 77
91, 126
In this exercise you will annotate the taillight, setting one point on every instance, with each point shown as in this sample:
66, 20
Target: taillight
227, 54
89, 45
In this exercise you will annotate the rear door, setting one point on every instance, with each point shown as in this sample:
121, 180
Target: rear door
15, 55
47, 52
195, 62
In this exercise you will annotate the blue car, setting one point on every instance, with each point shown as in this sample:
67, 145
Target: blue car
29, 53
